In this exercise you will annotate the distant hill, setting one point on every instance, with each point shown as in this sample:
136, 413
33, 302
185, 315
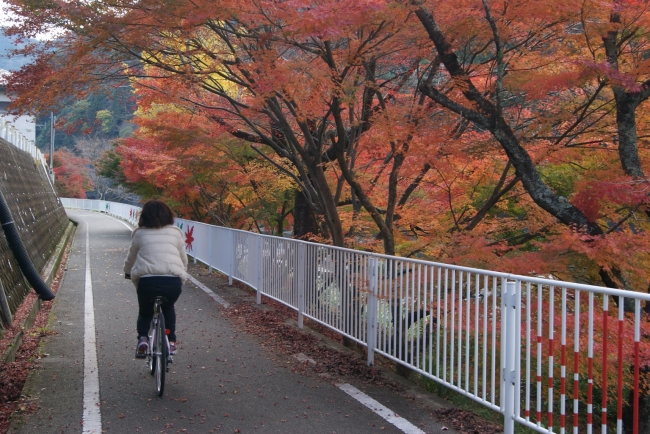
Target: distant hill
10, 63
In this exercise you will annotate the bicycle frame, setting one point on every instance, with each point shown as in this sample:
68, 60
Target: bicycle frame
152, 329
155, 364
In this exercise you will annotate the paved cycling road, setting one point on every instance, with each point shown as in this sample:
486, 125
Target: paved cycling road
221, 381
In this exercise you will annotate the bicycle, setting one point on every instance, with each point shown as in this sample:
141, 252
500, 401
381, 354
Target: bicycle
159, 355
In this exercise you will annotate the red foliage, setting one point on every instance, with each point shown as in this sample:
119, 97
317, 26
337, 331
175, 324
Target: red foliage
71, 178
334, 95
621, 193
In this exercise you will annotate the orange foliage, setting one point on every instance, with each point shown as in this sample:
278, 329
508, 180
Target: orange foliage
205, 175
332, 93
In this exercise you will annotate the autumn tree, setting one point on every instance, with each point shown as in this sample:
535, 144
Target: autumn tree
109, 183
267, 76
336, 92
597, 216
203, 172
71, 178
486, 94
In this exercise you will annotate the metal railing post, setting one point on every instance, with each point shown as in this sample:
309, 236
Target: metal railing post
509, 371
209, 249
194, 254
260, 268
301, 283
231, 266
372, 310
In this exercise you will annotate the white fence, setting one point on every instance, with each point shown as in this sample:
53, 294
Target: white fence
550, 355
16, 138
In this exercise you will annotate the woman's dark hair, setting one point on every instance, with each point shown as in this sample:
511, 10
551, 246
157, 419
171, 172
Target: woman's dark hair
155, 214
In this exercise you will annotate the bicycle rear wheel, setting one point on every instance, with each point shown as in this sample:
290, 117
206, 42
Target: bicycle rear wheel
151, 360
160, 354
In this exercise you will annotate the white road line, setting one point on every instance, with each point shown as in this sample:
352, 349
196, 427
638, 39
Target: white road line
124, 223
92, 418
401, 423
208, 291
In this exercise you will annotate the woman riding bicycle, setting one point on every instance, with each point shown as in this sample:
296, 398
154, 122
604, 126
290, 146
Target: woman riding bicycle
156, 264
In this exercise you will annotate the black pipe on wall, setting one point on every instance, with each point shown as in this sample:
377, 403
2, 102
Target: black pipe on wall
18, 249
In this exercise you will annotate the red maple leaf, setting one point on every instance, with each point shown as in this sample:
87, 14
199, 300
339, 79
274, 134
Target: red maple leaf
189, 239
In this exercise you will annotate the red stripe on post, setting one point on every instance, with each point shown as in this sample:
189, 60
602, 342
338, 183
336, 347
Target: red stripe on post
619, 391
576, 387
590, 388
563, 386
550, 377
604, 388
635, 423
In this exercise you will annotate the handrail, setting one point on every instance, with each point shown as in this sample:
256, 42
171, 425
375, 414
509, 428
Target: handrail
12, 135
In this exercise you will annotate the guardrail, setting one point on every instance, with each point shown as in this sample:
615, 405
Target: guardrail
16, 138
500, 339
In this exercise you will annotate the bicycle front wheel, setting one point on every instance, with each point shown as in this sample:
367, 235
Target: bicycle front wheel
160, 354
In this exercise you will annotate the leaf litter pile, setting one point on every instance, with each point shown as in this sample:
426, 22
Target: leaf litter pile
279, 336
13, 375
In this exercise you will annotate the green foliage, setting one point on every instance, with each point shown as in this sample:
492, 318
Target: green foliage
509, 206
560, 177
106, 120
109, 166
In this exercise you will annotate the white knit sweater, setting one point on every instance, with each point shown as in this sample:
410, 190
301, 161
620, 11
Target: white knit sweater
156, 252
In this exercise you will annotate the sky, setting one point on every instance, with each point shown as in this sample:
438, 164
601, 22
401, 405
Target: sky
3, 13
5, 17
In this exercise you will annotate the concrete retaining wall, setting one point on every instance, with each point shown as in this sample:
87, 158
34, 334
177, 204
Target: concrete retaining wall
37, 213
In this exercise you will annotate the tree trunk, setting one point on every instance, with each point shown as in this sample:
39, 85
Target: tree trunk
331, 213
280, 226
304, 217
385, 231
393, 178
627, 137
626, 104
644, 410
644, 406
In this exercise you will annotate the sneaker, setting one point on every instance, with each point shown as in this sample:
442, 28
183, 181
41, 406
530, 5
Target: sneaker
172, 348
142, 348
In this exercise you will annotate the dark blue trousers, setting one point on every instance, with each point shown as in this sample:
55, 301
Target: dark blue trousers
148, 289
